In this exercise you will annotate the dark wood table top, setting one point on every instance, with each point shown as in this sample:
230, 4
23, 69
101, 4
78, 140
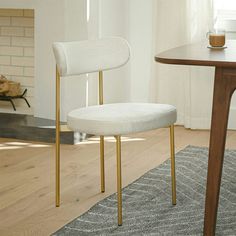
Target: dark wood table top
199, 55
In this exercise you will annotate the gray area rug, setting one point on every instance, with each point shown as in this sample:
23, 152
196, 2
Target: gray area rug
147, 208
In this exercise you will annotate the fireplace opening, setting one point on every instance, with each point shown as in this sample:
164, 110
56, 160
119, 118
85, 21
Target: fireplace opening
17, 60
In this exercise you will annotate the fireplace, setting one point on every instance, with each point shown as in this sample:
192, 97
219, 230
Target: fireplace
17, 56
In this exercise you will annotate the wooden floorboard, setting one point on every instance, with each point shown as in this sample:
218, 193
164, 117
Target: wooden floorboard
27, 176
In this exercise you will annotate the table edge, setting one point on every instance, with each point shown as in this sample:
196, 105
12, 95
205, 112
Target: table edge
192, 62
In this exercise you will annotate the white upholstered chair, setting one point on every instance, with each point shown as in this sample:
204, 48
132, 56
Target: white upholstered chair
75, 58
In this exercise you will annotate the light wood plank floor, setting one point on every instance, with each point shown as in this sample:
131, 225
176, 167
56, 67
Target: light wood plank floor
27, 176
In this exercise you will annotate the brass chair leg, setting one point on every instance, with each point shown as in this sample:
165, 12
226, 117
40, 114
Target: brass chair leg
173, 179
57, 139
119, 180
102, 164
101, 137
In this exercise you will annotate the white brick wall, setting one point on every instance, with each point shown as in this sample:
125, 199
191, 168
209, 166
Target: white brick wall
17, 53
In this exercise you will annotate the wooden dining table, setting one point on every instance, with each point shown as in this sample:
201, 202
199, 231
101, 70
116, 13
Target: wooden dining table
224, 61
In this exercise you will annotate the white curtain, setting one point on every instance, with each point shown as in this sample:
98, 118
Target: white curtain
108, 18
190, 89
152, 26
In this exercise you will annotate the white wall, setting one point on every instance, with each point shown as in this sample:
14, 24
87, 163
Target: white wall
49, 27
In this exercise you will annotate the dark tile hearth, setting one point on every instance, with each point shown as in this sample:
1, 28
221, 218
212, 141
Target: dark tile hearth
28, 127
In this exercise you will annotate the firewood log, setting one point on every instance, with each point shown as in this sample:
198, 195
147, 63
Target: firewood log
4, 85
8, 87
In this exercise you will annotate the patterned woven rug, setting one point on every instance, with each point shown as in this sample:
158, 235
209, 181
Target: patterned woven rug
147, 208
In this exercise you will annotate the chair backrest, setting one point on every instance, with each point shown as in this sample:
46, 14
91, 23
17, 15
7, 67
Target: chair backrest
81, 57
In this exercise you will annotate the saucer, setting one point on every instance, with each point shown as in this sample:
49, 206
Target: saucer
217, 48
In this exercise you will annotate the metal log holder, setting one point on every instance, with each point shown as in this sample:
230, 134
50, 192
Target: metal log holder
11, 98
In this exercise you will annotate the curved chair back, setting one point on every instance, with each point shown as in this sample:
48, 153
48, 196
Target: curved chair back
81, 57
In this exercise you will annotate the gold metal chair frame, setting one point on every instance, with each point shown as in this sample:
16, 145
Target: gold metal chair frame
118, 153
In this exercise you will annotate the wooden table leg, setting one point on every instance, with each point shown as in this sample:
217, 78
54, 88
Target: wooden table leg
225, 84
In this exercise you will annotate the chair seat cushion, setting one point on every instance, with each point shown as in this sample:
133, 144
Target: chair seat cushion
121, 118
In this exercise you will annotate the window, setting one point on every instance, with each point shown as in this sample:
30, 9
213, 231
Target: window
225, 15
